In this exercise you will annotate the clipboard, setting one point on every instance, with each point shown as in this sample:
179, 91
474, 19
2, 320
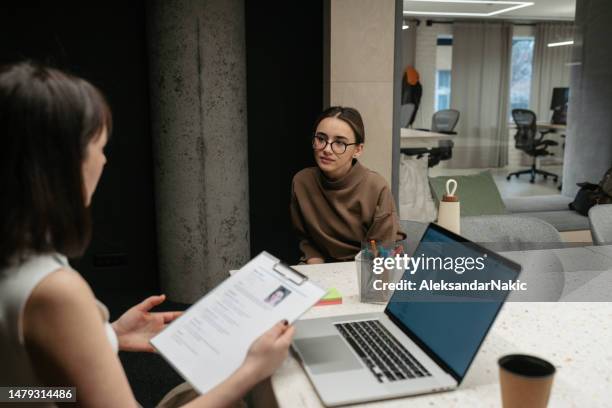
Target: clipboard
211, 339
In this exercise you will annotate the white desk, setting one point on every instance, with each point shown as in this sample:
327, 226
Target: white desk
575, 337
551, 126
421, 138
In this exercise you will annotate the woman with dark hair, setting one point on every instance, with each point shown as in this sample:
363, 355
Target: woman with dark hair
53, 331
340, 203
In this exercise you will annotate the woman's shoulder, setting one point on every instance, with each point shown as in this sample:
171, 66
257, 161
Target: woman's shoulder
46, 278
25, 272
306, 176
374, 180
63, 287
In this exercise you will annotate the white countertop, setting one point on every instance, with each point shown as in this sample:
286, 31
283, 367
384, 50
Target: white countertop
575, 336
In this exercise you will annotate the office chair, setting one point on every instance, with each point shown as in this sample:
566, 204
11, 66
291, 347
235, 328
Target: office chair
443, 121
526, 140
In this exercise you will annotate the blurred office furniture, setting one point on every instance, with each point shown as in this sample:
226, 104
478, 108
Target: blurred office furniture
600, 219
529, 241
443, 123
415, 200
558, 105
527, 140
407, 114
510, 232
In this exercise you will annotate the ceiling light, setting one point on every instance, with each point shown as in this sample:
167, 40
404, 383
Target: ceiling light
560, 44
512, 5
405, 27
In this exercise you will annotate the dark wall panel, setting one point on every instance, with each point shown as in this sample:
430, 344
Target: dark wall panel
104, 42
284, 97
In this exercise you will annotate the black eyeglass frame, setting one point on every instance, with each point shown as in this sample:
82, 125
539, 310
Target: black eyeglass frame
335, 142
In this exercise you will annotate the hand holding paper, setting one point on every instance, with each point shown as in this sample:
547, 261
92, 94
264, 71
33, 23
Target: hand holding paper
269, 351
219, 333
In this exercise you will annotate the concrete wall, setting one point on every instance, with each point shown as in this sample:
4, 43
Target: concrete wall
198, 111
588, 149
361, 69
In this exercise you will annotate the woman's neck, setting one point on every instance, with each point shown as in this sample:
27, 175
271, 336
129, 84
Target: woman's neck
339, 173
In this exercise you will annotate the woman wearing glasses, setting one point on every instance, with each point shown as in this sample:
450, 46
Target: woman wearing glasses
340, 203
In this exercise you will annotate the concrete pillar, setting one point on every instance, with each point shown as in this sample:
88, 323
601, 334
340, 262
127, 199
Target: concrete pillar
588, 148
198, 108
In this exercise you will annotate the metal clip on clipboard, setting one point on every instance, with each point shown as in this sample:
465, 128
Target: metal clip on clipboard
289, 273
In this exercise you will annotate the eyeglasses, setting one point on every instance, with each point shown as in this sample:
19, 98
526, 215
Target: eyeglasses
320, 142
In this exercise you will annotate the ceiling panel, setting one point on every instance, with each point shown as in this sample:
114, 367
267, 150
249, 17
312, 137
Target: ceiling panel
540, 10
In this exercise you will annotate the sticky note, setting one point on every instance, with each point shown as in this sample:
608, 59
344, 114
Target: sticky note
332, 297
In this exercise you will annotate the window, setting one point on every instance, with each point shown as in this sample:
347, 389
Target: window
444, 57
443, 89
520, 74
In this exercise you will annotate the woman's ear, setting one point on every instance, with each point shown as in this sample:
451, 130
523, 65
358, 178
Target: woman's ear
358, 150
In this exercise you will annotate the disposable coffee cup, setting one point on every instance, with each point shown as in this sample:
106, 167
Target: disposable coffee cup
525, 381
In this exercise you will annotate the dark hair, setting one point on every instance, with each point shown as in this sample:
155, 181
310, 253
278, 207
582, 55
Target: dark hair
47, 119
349, 115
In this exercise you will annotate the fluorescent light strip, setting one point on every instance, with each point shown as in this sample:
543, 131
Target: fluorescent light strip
515, 5
560, 44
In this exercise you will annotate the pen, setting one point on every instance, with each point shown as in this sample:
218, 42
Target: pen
374, 250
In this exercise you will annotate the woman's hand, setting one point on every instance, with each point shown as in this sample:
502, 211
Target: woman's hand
269, 351
137, 326
314, 260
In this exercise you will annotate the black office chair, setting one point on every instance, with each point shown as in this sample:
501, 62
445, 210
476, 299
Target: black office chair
527, 140
443, 121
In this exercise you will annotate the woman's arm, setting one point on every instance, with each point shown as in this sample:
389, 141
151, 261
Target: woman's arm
385, 226
65, 337
67, 343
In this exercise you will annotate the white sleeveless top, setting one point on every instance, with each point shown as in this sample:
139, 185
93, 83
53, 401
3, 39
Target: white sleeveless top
16, 284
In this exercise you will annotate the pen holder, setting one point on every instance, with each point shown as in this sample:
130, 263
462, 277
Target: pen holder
372, 275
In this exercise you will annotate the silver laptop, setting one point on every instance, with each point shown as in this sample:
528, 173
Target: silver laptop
414, 347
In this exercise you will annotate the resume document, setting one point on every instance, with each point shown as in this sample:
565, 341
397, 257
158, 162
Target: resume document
211, 339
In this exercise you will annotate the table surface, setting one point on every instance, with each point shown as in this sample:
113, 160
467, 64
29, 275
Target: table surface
575, 336
543, 125
425, 134
421, 138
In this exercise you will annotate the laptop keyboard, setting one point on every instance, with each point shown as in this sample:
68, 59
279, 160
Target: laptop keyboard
386, 358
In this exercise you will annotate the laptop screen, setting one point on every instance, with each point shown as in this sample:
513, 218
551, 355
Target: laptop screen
452, 328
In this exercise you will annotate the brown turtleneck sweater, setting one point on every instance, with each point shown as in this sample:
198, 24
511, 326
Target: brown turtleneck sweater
332, 218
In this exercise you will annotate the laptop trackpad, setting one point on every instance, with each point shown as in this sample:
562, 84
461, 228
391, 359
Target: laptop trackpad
327, 354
